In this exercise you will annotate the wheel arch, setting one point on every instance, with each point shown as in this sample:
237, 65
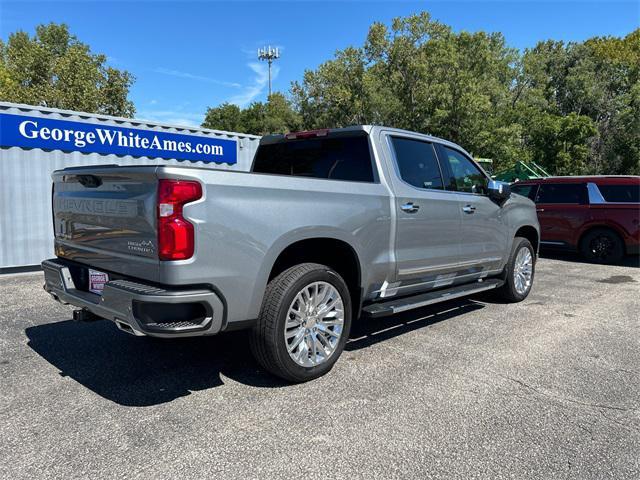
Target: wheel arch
332, 252
530, 233
332, 248
601, 225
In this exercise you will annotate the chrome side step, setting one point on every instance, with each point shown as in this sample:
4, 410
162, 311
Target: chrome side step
391, 307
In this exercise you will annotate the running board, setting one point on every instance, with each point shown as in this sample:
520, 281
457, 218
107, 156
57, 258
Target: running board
391, 307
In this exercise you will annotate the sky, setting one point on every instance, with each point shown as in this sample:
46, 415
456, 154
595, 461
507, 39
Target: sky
187, 56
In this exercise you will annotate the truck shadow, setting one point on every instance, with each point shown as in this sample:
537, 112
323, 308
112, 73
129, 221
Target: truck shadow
139, 371
626, 261
142, 371
367, 332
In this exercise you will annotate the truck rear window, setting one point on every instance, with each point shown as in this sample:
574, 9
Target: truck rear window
620, 193
334, 158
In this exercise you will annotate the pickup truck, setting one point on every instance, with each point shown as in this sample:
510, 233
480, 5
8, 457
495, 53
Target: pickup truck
328, 226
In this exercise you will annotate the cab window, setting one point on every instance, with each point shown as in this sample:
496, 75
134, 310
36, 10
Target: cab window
417, 163
465, 175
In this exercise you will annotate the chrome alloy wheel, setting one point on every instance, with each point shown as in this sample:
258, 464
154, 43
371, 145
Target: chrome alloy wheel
314, 324
523, 270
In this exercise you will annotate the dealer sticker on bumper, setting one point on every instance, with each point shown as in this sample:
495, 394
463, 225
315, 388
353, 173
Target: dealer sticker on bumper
97, 280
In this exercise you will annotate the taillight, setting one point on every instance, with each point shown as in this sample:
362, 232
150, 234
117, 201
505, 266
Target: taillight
175, 234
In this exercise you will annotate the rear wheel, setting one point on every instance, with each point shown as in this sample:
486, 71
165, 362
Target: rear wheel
602, 245
304, 323
519, 271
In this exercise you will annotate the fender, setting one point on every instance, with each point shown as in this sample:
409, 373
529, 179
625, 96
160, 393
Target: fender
289, 238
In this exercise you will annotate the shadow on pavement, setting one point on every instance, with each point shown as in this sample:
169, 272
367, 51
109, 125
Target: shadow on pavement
142, 371
627, 261
367, 332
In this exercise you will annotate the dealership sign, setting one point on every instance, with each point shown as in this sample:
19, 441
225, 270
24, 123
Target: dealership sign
53, 134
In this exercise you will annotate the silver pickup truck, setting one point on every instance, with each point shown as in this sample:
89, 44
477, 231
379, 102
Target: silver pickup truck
329, 226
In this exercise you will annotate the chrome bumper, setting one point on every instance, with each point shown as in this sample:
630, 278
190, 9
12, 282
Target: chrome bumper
128, 304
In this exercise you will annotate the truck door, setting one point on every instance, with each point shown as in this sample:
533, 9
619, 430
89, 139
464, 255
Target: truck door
485, 238
428, 218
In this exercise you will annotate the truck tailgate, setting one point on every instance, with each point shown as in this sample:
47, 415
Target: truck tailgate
105, 217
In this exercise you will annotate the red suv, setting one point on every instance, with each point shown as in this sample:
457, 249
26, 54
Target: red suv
598, 216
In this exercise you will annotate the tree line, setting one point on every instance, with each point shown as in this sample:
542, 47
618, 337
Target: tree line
55, 69
574, 107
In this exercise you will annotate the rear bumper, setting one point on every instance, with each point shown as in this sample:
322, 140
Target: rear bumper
139, 308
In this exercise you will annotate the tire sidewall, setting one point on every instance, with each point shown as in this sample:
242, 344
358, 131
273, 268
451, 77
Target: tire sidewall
324, 274
518, 245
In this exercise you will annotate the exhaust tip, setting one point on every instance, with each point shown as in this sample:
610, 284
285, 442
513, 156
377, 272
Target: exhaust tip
125, 327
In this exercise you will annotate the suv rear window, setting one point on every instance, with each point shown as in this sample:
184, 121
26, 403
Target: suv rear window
334, 158
562, 193
620, 193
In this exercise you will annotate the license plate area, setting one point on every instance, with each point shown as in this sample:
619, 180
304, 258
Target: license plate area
96, 281
80, 275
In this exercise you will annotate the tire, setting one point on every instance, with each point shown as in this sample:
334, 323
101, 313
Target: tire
512, 291
285, 292
602, 245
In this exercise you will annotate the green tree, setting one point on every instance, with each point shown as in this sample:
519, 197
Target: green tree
592, 86
561, 143
274, 116
54, 69
226, 117
421, 76
338, 93
572, 107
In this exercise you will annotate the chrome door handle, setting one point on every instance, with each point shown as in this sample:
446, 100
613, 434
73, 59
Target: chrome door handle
469, 209
410, 207
539, 209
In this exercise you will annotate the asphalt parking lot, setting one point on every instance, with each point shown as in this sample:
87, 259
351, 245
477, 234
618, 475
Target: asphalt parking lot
548, 388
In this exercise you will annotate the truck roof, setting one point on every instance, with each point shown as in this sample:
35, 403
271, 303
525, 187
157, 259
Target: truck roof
371, 130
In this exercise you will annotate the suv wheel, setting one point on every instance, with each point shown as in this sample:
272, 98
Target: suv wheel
602, 245
519, 271
304, 323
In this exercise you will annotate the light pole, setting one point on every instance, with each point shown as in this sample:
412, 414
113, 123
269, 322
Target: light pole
269, 55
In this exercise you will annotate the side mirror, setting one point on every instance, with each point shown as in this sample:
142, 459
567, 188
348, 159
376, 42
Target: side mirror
498, 191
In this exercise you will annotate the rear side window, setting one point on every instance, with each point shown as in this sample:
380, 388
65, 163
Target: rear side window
620, 193
334, 158
417, 163
528, 191
562, 193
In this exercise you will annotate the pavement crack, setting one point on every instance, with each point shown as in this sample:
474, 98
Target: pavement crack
617, 422
565, 399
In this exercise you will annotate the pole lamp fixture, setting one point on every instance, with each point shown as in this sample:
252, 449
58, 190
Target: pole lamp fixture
268, 55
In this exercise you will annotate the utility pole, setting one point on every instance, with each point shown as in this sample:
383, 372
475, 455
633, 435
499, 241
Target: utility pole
269, 54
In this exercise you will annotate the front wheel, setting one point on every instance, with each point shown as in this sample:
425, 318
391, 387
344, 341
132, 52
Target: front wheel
304, 323
519, 271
